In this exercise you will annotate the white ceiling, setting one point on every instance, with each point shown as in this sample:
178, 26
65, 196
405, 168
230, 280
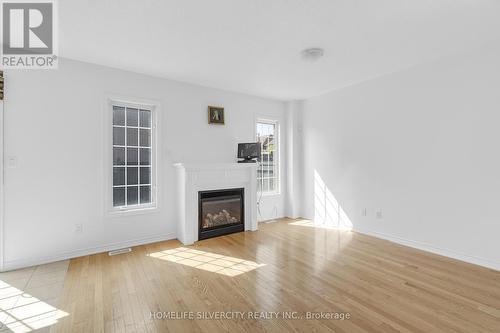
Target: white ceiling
253, 46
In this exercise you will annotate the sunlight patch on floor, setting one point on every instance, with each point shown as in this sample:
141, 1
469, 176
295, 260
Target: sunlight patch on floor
210, 262
312, 224
20, 312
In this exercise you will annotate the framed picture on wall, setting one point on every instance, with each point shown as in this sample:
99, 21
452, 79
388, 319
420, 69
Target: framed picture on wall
216, 115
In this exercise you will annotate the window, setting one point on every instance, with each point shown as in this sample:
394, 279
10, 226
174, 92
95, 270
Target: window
268, 170
133, 156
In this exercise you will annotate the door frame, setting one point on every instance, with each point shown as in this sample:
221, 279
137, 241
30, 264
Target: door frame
2, 194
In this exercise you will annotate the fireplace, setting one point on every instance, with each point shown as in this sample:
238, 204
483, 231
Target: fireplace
220, 212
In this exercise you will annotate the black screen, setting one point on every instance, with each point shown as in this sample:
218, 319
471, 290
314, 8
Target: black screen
248, 150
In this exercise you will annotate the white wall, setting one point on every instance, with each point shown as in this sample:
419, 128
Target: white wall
421, 146
54, 127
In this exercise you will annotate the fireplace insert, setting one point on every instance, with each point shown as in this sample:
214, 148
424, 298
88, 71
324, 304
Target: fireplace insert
220, 212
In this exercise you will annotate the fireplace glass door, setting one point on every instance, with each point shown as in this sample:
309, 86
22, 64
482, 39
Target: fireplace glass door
220, 212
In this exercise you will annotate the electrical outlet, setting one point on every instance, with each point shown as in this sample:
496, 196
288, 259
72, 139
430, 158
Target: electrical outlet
11, 162
379, 214
79, 228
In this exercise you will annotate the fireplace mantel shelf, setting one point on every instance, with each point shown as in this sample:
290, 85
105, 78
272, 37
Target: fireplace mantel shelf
195, 177
214, 166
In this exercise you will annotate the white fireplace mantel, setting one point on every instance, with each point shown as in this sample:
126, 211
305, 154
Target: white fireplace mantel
195, 177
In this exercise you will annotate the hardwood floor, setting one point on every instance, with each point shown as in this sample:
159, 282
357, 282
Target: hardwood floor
285, 266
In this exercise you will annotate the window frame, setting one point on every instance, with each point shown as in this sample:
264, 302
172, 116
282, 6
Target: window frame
108, 157
277, 154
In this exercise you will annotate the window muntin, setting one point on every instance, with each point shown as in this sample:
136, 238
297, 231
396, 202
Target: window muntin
132, 157
268, 169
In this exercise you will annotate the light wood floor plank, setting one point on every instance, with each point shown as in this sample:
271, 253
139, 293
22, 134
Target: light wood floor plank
384, 286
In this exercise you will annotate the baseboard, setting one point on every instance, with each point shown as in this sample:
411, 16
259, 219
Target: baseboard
432, 249
270, 220
298, 217
267, 219
16, 264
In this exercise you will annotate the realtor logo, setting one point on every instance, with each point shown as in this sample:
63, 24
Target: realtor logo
28, 35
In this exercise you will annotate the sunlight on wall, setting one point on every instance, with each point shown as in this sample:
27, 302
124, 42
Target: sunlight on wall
210, 262
327, 210
21, 312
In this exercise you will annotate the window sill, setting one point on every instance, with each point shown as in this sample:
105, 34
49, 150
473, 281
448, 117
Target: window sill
133, 211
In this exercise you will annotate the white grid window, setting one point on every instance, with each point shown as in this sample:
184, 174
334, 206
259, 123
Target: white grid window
132, 157
268, 170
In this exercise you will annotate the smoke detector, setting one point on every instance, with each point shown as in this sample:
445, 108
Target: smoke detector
312, 54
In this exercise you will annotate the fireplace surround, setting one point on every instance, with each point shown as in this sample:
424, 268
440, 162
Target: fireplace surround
193, 178
220, 212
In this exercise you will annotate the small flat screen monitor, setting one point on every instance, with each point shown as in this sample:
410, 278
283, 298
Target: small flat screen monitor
249, 151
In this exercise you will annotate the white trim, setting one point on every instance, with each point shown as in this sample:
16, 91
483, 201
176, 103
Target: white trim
271, 194
139, 103
276, 123
2, 180
433, 249
16, 264
194, 177
139, 210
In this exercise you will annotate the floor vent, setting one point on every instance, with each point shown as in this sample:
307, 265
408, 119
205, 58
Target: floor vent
120, 251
